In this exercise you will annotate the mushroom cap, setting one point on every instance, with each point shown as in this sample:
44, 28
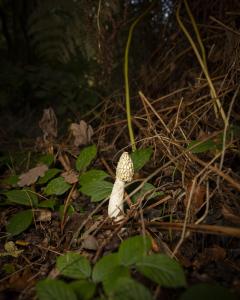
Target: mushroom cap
125, 168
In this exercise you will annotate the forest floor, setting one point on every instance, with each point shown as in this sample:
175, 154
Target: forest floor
184, 195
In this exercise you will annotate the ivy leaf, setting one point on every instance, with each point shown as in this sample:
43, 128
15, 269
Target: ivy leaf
129, 289
133, 249
92, 176
162, 269
23, 197
98, 190
140, 158
74, 266
19, 222
104, 266
85, 157
57, 186
52, 289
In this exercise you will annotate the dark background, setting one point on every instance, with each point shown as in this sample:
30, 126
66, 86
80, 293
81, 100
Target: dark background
69, 54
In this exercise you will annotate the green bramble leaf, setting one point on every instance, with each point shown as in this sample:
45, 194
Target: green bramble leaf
19, 222
85, 157
162, 269
53, 289
133, 249
49, 174
92, 176
49, 203
57, 186
140, 158
98, 190
84, 289
110, 281
201, 147
11, 180
129, 289
104, 267
23, 197
73, 265
47, 159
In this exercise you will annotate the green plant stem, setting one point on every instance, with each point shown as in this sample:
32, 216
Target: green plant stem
196, 32
204, 68
126, 78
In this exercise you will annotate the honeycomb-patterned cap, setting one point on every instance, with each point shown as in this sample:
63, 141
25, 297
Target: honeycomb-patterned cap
125, 169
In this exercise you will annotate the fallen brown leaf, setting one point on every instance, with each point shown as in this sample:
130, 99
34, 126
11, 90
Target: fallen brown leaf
43, 215
19, 281
48, 124
229, 215
31, 176
82, 133
197, 199
90, 243
70, 176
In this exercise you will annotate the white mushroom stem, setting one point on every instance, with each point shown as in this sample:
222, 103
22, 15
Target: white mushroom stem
124, 173
115, 207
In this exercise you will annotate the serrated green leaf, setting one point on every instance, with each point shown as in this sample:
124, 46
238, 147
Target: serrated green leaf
133, 249
52, 289
57, 186
83, 289
19, 222
111, 280
50, 203
74, 266
47, 159
23, 197
92, 176
49, 174
207, 292
104, 266
162, 269
198, 147
85, 157
129, 289
98, 190
140, 158
11, 180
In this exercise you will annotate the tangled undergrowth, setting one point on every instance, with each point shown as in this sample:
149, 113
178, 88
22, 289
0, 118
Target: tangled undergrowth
184, 198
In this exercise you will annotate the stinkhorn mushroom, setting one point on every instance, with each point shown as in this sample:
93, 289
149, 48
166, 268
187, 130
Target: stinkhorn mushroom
124, 173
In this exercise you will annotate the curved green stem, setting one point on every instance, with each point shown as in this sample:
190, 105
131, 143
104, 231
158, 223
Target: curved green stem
126, 78
203, 66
